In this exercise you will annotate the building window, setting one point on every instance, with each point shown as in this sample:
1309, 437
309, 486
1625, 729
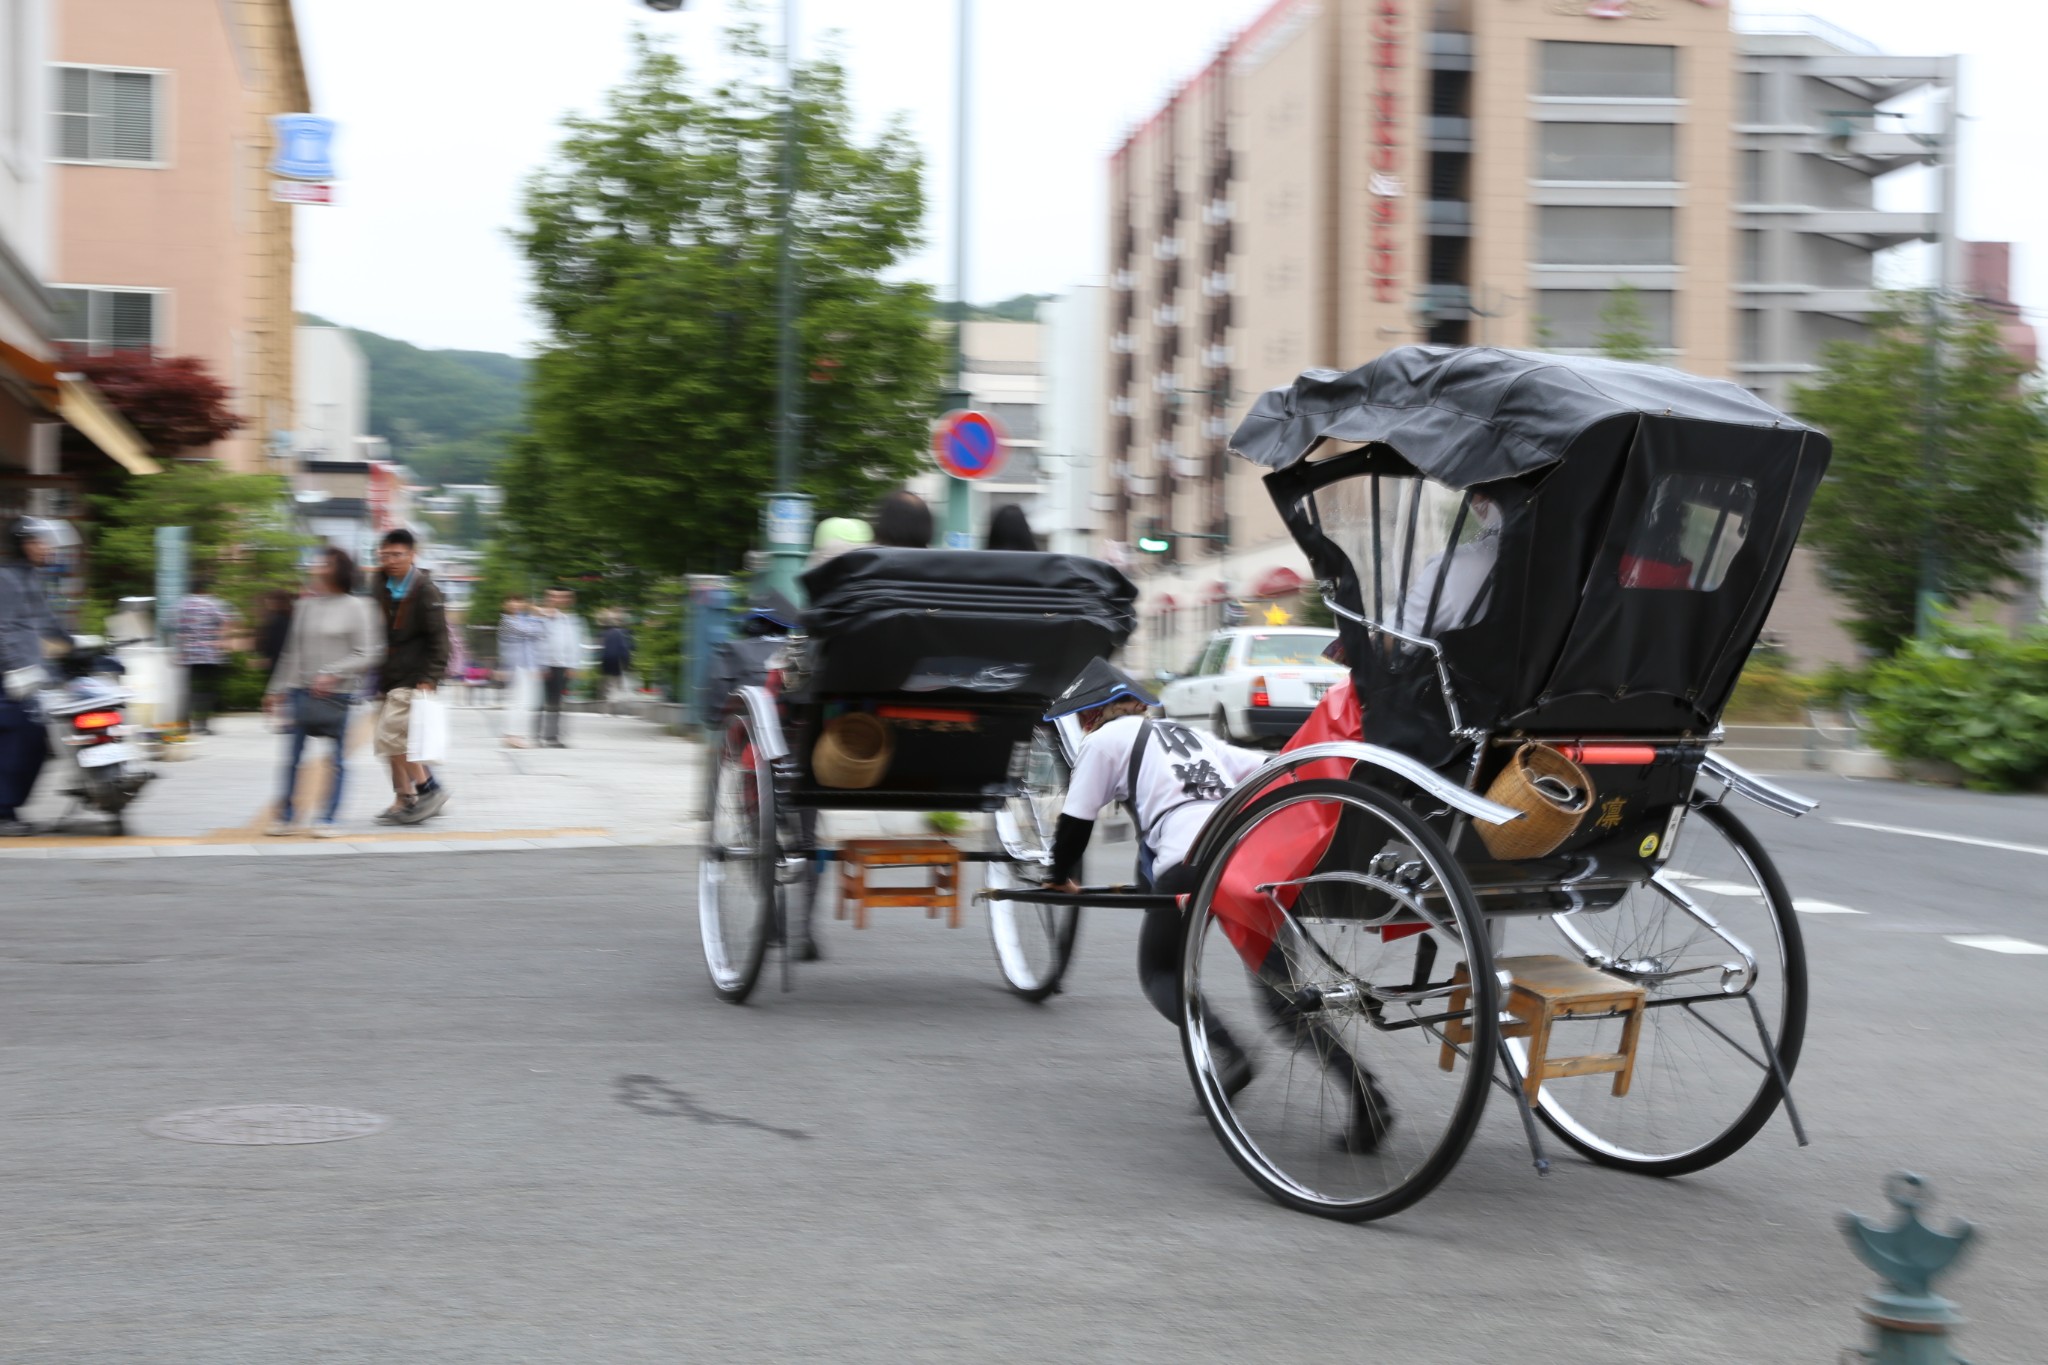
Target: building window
1753, 95
1750, 336
1607, 151
1753, 178
1019, 421
1608, 70
1569, 319
1752, 256
106, 116
103, 320
1604, 236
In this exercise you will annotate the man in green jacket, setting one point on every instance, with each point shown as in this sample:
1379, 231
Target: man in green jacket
415, 658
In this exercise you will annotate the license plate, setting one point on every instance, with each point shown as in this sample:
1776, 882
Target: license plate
100, 755
1316, 690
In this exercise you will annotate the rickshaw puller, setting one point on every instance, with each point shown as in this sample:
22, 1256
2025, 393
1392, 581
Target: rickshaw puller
1179, 779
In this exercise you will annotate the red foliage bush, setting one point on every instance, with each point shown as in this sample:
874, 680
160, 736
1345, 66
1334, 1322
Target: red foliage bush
173, 401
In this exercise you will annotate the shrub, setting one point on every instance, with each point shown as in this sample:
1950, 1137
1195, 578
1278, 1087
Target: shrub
1974, 697
242, 683
1768, 693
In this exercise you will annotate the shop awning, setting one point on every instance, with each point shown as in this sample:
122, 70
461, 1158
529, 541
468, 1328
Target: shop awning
70, 398
93, 417
1277, 581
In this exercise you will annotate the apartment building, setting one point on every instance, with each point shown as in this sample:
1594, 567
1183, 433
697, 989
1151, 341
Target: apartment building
167, 235
38, 399
1350, 175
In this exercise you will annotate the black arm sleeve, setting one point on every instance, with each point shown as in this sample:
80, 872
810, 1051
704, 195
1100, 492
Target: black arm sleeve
1069, 842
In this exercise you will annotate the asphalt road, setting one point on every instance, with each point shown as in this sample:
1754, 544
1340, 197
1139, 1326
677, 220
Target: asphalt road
593, 1159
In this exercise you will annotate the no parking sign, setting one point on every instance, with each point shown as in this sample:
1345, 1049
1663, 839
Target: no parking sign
968, 445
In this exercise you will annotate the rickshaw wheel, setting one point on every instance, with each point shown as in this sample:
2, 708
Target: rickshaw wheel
736, 890
1358, 1104
1033, 943
1700, 1089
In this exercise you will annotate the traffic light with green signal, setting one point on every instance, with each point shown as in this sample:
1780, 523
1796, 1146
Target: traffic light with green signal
1154, 540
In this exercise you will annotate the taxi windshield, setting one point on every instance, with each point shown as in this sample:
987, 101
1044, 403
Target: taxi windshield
1286, 649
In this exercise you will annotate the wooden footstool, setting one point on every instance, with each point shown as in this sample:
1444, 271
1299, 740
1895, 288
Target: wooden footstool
856, 856
1547, 989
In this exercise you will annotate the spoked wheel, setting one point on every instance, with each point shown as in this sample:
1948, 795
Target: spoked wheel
1033, 943
1702, 1085
1365, 1084
736, 882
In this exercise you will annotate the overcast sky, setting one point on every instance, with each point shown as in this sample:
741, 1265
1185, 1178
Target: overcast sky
446, 106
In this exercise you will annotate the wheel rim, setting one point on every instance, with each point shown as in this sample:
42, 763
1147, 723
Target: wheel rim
1694, 1096
1032, 941
1294, 1128
733, 875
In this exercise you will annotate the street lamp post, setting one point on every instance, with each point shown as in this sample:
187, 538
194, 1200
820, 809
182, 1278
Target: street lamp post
959, 492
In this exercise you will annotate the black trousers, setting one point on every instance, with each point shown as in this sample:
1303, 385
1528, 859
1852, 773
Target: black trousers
554, 684
202, 694
1159, 942
23, 746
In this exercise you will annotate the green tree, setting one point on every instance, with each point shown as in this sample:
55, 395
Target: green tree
654, 248
1624, 326
240, 525
1977, 500
470, 526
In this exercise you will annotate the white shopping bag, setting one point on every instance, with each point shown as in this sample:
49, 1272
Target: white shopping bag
426, 740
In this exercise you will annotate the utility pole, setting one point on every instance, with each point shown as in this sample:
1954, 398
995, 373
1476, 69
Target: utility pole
959, 492
786, 521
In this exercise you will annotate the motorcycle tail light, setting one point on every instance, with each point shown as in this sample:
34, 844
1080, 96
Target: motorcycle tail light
96, 720
1259, 694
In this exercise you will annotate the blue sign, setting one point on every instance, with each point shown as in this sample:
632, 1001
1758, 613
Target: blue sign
305, 147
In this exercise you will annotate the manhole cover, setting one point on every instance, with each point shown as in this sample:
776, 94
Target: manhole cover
267, 1125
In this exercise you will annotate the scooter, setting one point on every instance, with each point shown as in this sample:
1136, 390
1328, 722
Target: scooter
87, 716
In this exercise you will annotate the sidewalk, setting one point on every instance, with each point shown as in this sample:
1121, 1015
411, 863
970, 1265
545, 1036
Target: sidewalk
623, 782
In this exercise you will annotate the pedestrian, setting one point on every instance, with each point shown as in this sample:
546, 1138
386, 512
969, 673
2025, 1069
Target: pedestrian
203, 624
335, 639
27, 625
837, 535
415, 660
274, 625
902, 521
561, 652
615, 658
519, 636
1010, 529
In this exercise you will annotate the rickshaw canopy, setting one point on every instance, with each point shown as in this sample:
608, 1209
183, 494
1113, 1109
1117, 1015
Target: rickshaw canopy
1470, 415
1608, 537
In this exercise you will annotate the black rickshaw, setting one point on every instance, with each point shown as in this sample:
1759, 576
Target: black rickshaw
1503, 856
917, 682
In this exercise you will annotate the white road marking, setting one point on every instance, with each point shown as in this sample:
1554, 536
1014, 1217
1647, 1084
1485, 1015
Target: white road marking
1727, 889
1997, 943
2034, 849
1806, 907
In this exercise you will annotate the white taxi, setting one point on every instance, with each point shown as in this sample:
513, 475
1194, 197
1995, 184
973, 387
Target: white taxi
1255, 685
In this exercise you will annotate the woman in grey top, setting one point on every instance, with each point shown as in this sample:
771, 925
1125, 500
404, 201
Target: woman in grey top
335, 640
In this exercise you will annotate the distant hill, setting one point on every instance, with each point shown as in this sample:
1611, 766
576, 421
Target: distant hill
447, 414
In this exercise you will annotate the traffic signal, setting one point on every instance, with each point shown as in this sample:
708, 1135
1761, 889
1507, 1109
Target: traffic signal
1154, 540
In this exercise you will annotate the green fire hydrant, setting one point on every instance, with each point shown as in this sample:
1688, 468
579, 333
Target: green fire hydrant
1910, 1323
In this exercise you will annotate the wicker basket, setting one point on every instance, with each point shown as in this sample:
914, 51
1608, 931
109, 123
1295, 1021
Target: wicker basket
1548, 816
853, 752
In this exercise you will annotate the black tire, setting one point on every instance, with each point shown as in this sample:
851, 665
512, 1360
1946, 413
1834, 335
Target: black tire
1713, 1100
1034, 944
738, 901
1219, 723
1424, 1112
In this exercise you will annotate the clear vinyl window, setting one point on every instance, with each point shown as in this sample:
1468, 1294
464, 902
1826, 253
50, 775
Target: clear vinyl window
1689, 533
1398, 535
